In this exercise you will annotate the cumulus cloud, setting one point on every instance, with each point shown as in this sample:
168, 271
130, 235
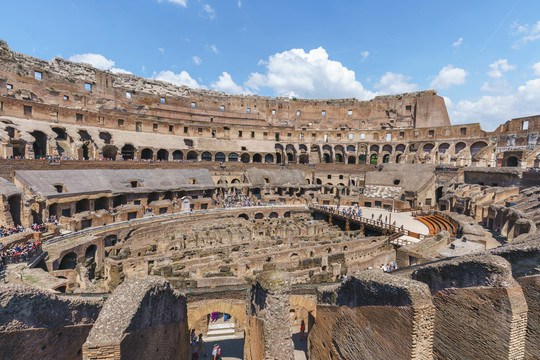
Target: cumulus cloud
530, 33
364, 55
499, 67
449, 76
457, 43
208, 12
196, 60
227, 84
212, 48
308, 74
536, 68
391, 83
183, 78
161, 50
492, 110
178, 2
98, 61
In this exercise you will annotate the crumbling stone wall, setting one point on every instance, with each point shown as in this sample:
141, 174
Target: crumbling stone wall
37, 324
373, 316
143, 319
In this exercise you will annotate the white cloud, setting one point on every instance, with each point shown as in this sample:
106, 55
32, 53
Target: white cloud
449, 76
178, 2
530, 34
391, 83
161, 50
183, 78
493, 110
536, 68
208, 12
364, 55
239, 3
457, 43
499, 67
197, 60
227, 84
448, 102
311, 75
96, 60
212, 48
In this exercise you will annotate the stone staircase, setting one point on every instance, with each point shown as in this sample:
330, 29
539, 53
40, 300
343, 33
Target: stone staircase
220, 330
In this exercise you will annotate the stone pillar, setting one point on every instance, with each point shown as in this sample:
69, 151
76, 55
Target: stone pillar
269, 324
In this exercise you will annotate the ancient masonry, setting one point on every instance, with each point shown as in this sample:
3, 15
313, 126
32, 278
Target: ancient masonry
132, 209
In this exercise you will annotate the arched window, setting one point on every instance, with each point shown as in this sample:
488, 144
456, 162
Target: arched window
233, 157
206, 156
220, 157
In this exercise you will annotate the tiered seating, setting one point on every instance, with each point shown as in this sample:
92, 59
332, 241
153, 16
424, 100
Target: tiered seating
436, 224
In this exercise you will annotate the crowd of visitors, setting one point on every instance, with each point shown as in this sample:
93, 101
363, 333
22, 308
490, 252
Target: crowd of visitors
533, 169
234, 200
390, 267
15, 253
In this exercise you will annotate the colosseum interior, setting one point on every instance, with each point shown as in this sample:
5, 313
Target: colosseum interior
135, 213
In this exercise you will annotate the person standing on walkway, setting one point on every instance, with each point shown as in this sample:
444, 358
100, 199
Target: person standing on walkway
194, 349
216, 352
201, 346
302, 330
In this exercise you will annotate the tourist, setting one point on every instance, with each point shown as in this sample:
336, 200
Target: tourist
194, 349
302, 330
201, 346
216, 352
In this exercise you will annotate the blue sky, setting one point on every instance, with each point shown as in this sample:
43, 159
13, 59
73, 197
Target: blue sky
482, 56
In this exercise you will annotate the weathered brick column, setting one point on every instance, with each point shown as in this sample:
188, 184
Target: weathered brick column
373, 315
269, 330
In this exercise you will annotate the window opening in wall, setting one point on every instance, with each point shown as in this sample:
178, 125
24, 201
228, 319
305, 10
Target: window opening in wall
128, 94
88, 86
138, 126
401, 134
136, 202
162, 100
349, 113
222, 108
329, 176
341, 177
298, 112
325, 138
273, 112
66, 97
243, 148
301, 136
408, 107
193, 105
199, 130
313, 135
323, 113
265, 134
416, 133
362, 136
463, 131
525, 125
351, 136
211, 120
59, 188
9, 86
134, 183
185, 129
266, 180
213, 134
27, 110
171, 128
1, 106
431, 133
277, 136
248, 110
239, 133
154, 126
79, 117
388, 137
252, 134
363, 123
193, 181
120, 122
38, 75
397, 181
289, 134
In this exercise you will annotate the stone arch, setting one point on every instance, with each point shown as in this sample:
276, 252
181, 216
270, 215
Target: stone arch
351, 159
257, 158
259, 216
269, 158
110, 152
374, 148
245, 158
443, 148
68, 262
387, 148
192, 155
147, 154
244, 216
351, 148
386, 158
373, 159
162, 155
287, 214
82, 205
512, 161
90, 252
14, 202
273, 215
236, 309
128, 152
233, 157
220, 157
477, 147
304, 302
401, 147
60, 133
459, 146
426, 149
177, 155
206, 156
40, 144
338, 157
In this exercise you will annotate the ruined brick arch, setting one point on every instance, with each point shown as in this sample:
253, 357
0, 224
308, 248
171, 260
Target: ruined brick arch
299, 301
235, 309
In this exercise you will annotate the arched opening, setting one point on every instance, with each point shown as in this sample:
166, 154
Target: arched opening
105, 136
278, 158
220, 157
259, 216
119, 200
339, 158
374, 148
269, 158
233, 157
177, 155
443, 148
82, 205
290, 157
85, 152
326, 158
459, 146
245, 158
386, 158
153, 196
401, 148
362, 159
40, 144
244, 216
287, 214
90, 260
273, 215
512, 161
427, 148
162, 155
303, 159
168, 195
206, 156
373, 159
387, 148
110, 152
110, 240
68, 262
147, 154
14, 202
398, 158
192, 156
438, 194
128, 152
351, 160
477, 147
90, 252
101, 204
257, 158
351, 148
60, 133
53, 210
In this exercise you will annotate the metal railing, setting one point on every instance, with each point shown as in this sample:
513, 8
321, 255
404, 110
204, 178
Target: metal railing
20, 258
